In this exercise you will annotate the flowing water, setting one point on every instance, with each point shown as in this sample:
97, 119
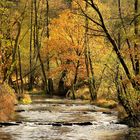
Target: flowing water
63, 119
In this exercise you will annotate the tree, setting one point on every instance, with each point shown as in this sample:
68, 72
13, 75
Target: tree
102, 25
37, 45
66, 45
88, 61
11, 35
136, 32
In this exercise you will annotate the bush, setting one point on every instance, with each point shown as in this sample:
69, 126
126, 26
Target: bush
7, 102
25, 99
106, 103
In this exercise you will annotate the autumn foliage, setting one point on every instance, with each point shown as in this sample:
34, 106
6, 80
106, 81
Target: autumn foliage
7, 102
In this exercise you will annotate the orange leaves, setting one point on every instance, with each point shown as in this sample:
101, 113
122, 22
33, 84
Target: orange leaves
137, 79
66, 43
127, 52
64, 34
66, 39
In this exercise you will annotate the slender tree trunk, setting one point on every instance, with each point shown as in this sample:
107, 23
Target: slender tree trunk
61, 87
47, 32
17, 89
50, 80
93, 77
88, 62
10, 71
47, 18
136, 26
31, 34
86, 43
16, 42
20, 71
75, 80
76, 72
87, 69
126, 34
38, 48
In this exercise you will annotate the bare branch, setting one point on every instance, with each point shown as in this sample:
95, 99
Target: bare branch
86, 15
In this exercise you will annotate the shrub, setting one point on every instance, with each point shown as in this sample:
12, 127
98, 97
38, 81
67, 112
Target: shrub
7, 102
25, 99
106, 103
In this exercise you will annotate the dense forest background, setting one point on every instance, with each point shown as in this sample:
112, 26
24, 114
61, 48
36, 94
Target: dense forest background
80, 49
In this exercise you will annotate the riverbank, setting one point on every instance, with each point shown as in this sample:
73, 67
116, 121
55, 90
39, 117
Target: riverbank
7, 102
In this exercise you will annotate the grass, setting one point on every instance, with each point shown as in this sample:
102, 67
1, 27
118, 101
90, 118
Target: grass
105, 103
83, 93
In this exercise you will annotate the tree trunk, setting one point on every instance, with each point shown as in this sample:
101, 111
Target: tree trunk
136, 46
88, 62
12, 68
30, 51
92, 77
124, 96
50, 86
47, 18
61, 87
20, 71
38, 48
113, 43
17, 88
76, 72
126, 34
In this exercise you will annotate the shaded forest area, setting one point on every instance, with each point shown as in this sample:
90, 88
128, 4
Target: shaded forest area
87, 49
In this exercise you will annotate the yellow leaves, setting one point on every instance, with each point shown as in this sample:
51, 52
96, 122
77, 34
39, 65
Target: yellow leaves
137, 79
66, 25
63, 19
16, 14
66, 36
26, 99
106, 103
77, 3
131, 52
66, 43
1, 36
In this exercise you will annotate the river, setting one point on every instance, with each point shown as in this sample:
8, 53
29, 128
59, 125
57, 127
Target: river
63, 119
